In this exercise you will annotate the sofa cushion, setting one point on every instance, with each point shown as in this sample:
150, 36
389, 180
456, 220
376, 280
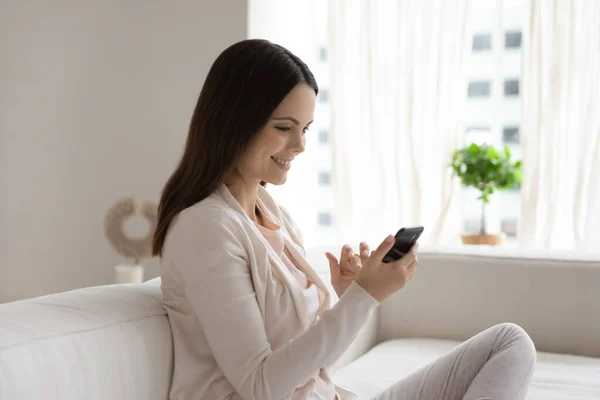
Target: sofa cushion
109, 342
556, 376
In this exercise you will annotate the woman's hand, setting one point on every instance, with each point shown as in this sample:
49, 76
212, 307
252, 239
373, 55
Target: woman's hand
345, 271
381, 280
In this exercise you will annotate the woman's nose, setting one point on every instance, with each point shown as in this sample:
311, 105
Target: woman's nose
299, 143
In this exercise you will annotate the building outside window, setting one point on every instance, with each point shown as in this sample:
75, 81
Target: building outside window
494, 115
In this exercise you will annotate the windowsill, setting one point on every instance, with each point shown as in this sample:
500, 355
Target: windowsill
512, 251
319, 263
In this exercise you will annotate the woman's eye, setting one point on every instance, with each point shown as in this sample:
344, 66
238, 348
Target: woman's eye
283, 128
306, 129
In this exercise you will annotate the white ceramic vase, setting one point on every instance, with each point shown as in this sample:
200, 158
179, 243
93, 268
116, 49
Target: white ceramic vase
129, 273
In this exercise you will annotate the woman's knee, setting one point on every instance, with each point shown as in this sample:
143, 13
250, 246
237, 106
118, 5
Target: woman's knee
518, 337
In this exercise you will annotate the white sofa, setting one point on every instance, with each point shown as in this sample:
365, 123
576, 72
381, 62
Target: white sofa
114, 342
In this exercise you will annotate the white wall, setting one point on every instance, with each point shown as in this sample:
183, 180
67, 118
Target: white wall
95, 101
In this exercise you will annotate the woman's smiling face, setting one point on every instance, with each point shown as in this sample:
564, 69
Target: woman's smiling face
269, 155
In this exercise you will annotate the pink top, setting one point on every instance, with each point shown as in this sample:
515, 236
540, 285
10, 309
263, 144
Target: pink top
319, 387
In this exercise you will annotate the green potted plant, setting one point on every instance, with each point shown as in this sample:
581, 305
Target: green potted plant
488, 170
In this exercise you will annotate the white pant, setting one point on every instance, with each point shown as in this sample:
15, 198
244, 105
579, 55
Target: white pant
496, 364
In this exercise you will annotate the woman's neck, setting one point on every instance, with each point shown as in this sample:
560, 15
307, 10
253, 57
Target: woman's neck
246, 195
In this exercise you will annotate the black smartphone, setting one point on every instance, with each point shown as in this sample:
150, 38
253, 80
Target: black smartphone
405, 238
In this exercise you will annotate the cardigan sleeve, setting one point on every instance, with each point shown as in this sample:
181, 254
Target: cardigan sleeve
216, 278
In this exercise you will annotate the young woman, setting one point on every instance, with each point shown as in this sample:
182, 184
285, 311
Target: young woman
250, 317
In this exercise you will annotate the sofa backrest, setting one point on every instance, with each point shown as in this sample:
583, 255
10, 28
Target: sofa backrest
109, 342
554, 296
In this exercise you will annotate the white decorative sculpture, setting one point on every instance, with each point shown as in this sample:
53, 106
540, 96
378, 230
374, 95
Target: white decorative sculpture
134, 248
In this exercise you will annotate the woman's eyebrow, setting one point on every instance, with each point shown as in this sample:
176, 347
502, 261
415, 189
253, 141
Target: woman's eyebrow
292, 119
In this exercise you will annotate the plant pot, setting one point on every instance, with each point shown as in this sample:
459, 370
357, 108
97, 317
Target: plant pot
485, 239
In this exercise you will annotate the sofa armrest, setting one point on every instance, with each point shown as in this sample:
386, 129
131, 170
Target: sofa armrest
455, 294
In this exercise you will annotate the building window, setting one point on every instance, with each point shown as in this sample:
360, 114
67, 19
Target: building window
510, 135
324, 178
324, 219
482, 42
479, 89
511, 87
512, 40
324, 95
323, 54
323, 137
493, 109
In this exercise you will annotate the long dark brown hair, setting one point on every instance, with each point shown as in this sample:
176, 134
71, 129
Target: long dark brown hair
245, 84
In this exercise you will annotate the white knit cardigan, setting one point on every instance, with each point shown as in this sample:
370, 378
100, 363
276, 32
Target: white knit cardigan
238, 317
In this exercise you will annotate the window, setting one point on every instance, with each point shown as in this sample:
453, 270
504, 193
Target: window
511, 87
479, 89
482, 42
323, 54
512, 40
494, 113
510, 135
323, 95
318, 226
324, 219
324, 178
323, 137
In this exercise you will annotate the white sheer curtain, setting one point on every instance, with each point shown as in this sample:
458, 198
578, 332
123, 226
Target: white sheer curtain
561, 126
397, 92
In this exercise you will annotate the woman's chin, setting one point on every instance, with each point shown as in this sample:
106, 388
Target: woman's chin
280, 180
